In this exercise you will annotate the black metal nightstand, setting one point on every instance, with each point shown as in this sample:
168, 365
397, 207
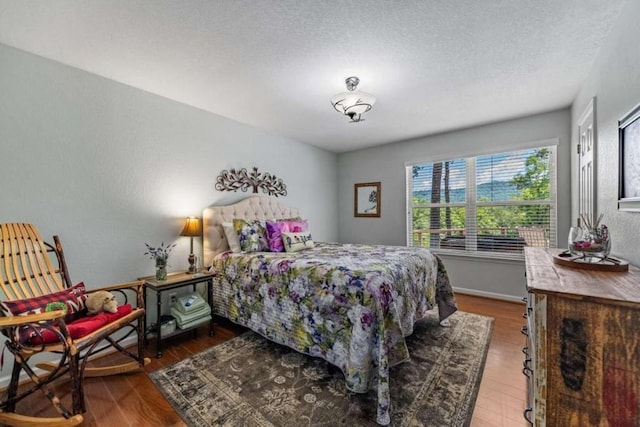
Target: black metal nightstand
174, 281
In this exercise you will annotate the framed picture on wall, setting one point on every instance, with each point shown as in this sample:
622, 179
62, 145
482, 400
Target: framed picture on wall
629, 161
367, 200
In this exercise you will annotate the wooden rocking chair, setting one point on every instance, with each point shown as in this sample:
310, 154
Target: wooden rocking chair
31, 268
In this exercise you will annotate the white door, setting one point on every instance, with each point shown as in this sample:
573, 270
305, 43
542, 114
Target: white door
586, 162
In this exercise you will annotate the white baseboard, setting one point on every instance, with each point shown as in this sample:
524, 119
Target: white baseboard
486, 294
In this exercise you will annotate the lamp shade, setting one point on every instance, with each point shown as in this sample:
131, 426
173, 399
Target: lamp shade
192, 228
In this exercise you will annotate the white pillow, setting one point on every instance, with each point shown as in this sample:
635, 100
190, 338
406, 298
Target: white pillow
232, 236
294, 242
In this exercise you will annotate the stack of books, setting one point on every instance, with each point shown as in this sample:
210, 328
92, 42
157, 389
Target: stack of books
190, 310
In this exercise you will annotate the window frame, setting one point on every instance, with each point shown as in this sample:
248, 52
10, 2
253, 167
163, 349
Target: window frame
471, 204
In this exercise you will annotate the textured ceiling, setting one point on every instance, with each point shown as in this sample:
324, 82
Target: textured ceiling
434, 65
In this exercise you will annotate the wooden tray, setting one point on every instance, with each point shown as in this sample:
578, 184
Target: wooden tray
609, 264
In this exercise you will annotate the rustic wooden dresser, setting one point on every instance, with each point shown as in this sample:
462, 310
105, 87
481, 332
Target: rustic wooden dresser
582, 357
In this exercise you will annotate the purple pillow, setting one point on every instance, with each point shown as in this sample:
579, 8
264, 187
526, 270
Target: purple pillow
274, 235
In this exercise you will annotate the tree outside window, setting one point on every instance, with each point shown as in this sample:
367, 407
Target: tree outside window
503, 206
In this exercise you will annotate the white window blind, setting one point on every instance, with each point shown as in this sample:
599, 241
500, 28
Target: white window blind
494, 203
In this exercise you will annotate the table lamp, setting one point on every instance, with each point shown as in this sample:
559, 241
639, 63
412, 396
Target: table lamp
192, 228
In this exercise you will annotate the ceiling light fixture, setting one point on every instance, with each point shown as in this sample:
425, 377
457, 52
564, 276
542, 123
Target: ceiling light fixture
353, 103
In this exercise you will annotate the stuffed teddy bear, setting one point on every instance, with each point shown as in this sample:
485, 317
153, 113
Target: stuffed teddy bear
100, 301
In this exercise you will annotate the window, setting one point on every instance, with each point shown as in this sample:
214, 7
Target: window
494, 204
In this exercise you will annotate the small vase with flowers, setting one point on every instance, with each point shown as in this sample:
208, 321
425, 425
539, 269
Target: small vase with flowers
161, 255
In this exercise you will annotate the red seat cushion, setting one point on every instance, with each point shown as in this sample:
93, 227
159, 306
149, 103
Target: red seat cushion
83, 326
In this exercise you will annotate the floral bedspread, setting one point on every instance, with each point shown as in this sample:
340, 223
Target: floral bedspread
349, 304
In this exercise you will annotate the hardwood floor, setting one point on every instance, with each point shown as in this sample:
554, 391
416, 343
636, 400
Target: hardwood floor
502, 395
133, 400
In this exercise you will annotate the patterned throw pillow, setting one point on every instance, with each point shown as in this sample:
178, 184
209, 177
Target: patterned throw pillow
74, 299
294, 242
252, 235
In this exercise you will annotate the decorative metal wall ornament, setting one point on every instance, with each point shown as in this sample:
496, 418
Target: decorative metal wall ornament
234, 180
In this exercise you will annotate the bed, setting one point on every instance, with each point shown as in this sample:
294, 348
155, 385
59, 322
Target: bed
351, 305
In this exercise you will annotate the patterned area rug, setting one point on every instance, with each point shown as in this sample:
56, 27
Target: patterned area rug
249, 381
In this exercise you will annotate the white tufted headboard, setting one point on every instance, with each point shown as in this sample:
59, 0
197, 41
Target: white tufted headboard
257, 207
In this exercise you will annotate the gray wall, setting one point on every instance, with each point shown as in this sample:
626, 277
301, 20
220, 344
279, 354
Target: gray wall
614, 80
109, 167
386, 164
